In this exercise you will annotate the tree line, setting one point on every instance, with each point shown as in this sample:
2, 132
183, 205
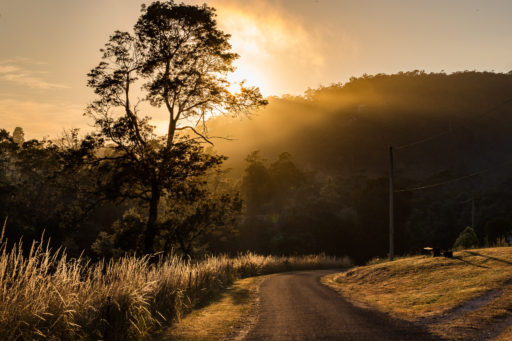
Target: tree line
339, 137
276, 207
123, 188
152, 191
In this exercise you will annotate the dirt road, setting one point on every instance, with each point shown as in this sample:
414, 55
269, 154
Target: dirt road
296, 306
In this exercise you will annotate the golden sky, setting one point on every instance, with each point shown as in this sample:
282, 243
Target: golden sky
286, 46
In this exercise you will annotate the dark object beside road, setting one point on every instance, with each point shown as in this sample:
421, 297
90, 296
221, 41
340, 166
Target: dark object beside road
436, 252
448, 254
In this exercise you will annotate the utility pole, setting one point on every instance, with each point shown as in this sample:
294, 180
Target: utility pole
473, 214
391, 217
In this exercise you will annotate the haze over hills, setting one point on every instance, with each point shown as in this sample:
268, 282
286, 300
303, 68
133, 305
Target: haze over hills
320, 180
347, 128
329, 190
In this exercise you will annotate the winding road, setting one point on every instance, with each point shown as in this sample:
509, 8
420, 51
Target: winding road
296, 306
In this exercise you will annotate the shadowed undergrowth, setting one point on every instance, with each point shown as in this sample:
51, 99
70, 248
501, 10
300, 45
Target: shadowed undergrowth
45, 295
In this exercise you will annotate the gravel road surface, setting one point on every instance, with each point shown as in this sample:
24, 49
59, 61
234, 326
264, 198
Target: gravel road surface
296, 306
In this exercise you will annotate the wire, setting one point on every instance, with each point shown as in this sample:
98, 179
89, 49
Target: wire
442, 183
453, 180
432, 137
435, 136
490, 111
422, 140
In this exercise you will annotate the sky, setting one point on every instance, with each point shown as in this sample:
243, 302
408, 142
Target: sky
286, 46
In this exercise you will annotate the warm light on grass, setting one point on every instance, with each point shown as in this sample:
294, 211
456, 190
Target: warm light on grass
435, 290
46, 295
226, 315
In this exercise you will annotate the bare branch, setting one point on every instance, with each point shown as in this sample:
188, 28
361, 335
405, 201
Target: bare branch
197, 133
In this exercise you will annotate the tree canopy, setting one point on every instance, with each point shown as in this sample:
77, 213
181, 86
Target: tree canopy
182, 60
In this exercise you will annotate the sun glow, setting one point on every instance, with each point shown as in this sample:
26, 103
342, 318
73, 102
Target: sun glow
259, 35
235, 88
275, 47
248, 75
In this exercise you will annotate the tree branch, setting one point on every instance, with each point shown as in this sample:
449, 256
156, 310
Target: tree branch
197, 133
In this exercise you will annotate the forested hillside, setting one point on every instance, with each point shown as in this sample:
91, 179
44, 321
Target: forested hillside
347, 128
311, 170
330, 191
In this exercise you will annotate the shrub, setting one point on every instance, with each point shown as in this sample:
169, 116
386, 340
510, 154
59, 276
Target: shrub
466, 239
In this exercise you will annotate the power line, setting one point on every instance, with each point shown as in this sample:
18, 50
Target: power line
442, 133
453, 180
432, 137
442, 183
423, 140
490, 111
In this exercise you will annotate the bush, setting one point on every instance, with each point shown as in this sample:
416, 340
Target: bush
466, 239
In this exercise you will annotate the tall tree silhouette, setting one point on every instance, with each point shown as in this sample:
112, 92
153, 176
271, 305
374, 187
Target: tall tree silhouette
18, 136
182, 60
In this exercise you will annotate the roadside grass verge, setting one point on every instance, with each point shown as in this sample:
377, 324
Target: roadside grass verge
226, 317
45, 295
457, 298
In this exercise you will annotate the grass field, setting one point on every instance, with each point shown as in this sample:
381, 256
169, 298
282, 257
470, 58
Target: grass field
467, 296
45, 295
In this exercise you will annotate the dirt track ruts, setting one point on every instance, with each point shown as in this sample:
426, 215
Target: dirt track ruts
296, 306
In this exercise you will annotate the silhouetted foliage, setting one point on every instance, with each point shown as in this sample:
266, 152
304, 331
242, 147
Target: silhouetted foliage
182, 59
328, 194
342, 132
466, 239
18, 136
36, 190
293, 211
496, 229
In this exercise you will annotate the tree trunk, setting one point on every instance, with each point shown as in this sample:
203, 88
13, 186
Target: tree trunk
150, 233
170, 133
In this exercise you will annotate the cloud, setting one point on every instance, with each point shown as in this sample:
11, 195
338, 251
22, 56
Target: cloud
41, 119
280, 50
21, 71
264, 27
23, 60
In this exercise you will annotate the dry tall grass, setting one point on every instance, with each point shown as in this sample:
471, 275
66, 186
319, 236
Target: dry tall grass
45, 295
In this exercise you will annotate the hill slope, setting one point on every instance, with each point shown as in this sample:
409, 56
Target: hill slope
329, 192
468, 297
347, 128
